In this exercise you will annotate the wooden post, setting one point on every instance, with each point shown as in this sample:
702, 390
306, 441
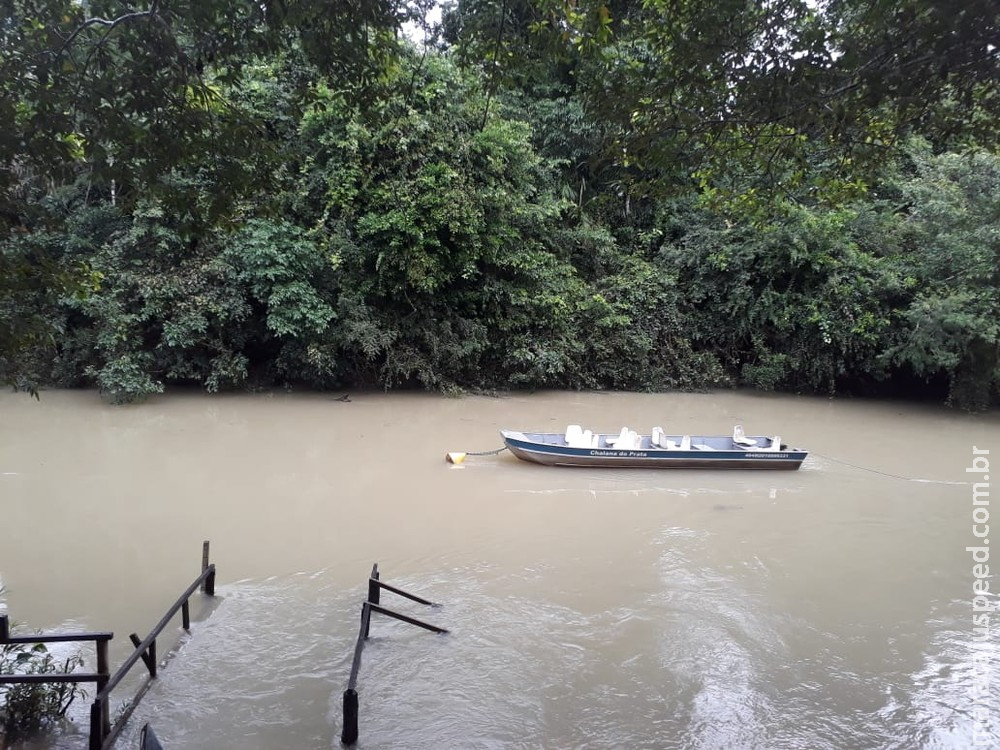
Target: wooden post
4, 628
350, 733
105, 720
186, 616
96, 733
366, 616
210, 583
411, 597
374, 593
103, 717
148, 656
102, 661
373, 598
152, 658
404, 618
204, 565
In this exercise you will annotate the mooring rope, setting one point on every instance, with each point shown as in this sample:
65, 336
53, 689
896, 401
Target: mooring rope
885, 473
457, 458
487, 453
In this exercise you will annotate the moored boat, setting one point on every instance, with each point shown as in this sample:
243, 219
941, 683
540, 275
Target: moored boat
628, 449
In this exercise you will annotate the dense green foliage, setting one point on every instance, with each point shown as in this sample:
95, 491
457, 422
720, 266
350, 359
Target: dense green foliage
629, 195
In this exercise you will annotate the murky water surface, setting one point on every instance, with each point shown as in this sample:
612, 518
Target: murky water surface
825, 608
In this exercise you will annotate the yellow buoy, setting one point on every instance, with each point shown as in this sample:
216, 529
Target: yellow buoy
455, 458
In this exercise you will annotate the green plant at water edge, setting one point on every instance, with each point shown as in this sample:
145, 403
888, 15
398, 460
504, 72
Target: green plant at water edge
31, 709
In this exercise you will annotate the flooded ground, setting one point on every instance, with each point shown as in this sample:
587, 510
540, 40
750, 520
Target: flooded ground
825, 608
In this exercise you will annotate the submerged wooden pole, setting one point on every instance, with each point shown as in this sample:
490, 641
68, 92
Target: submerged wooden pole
210, 582
96, 730
404, 618
350, 733
148, 656
406, 594
204, 567
374, 593
104, 669
366, 616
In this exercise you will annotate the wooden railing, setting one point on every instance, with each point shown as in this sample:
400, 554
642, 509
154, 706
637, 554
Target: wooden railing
100, 641
102, 732
349, 735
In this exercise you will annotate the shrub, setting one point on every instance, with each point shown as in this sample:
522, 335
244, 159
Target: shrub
28, 710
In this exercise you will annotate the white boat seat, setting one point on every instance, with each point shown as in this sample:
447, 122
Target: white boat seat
683, 445
657, 437
627, 440
667, 443
775, 445
573, 434
740, 439
584, 440
622, 440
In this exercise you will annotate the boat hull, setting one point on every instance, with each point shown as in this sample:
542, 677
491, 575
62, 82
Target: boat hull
528, 448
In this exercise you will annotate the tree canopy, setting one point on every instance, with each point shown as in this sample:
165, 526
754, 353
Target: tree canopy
638, 194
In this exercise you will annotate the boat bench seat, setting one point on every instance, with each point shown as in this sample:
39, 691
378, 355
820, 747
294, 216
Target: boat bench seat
627, 440
773, 445
659, 440
683, 445
577, 437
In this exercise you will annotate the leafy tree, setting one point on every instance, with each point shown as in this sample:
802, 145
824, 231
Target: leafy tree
794, 303
125, 97
748, 88
950, 244
438, 226
213, 312
634, 195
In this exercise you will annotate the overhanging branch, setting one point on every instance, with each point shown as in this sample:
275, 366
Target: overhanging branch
109, 24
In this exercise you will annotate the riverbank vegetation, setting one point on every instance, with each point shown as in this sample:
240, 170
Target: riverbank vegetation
29, 710
624, 195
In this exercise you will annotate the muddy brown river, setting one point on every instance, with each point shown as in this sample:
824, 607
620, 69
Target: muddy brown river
831, 607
